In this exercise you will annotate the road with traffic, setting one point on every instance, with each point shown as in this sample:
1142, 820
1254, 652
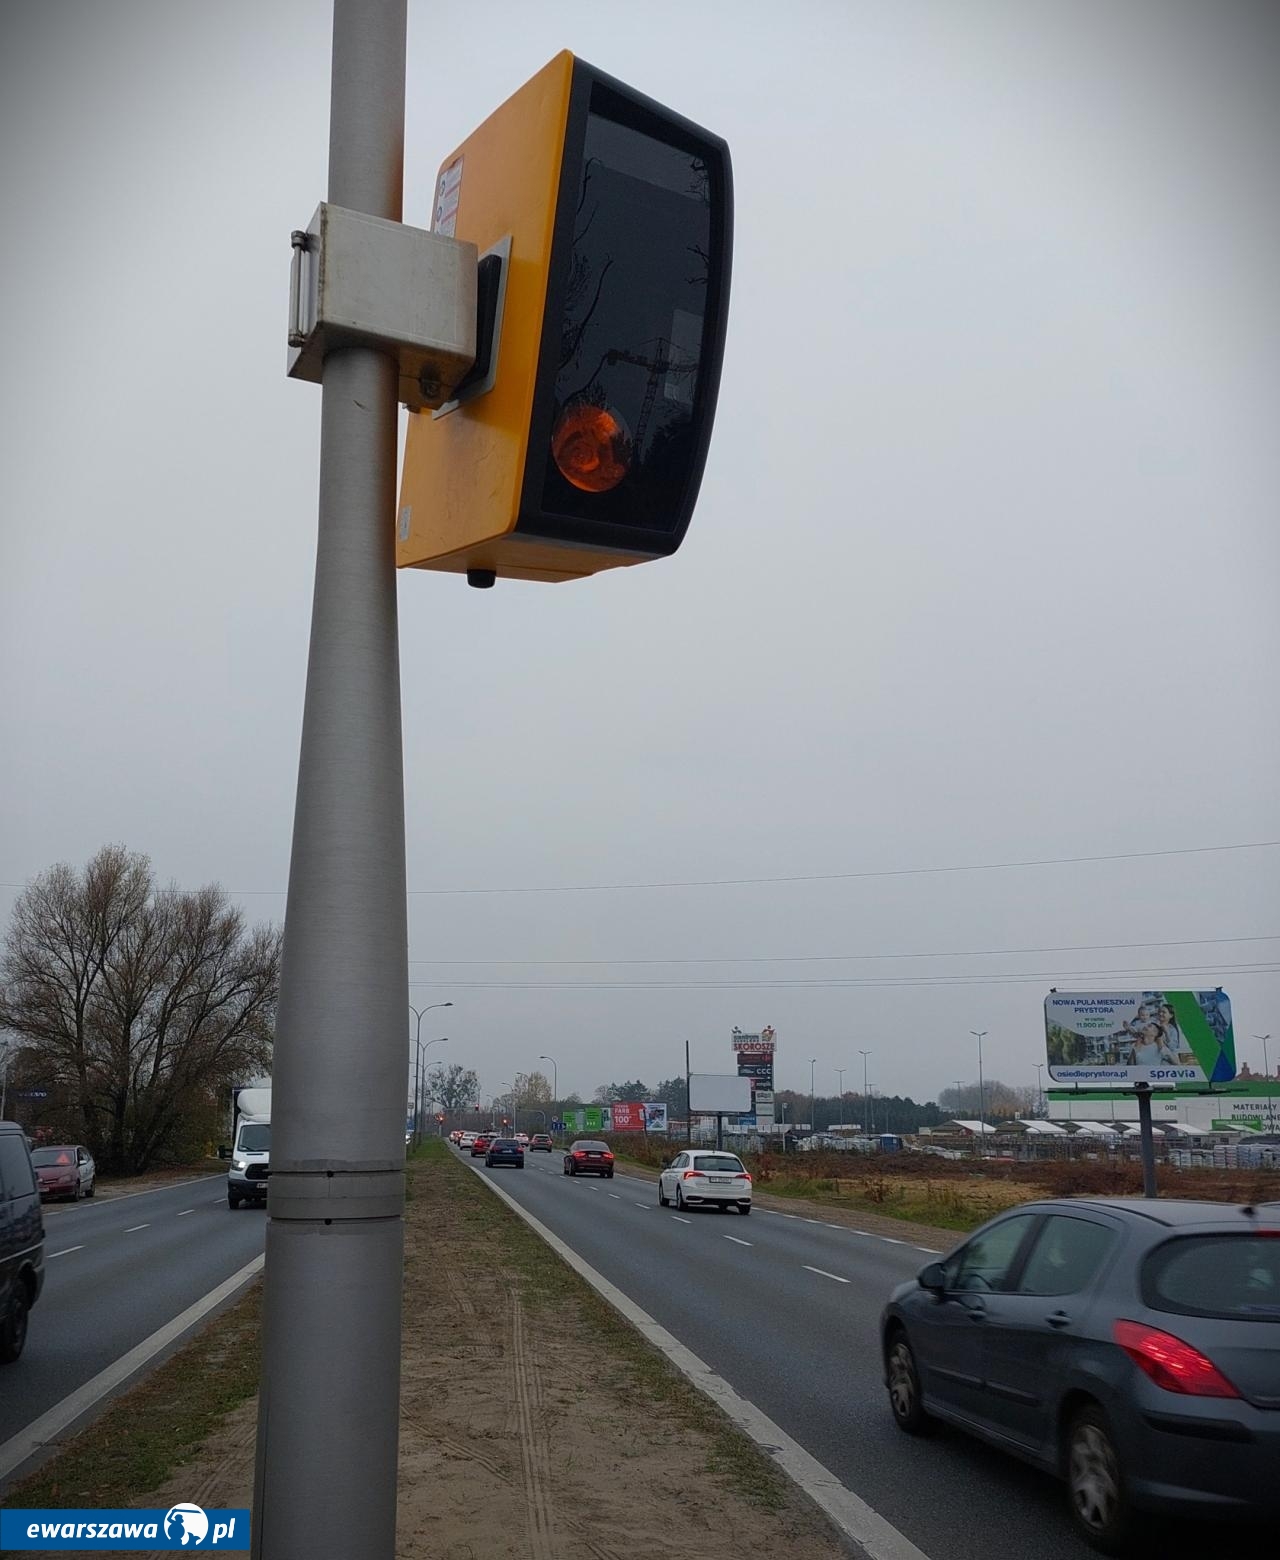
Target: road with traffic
786, 1308
116, 1271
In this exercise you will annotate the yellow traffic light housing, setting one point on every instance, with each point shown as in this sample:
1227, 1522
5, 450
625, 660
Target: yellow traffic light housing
583, 448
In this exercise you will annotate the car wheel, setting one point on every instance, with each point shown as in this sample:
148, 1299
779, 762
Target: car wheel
78, 1193
1095, 1483
663, 1200
679, 1200
608, 1175
232, 1200
13, 1331
92, 1187
905, 1398
744, 1208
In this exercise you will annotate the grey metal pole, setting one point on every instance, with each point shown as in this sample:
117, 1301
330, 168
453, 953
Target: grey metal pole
1143, 1091
688, 1112
329, 1402
555, 1080
1266, 1074
869, 1125
982, 1123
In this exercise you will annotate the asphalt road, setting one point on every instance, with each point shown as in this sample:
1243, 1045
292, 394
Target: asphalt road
116, 1271
786, 1309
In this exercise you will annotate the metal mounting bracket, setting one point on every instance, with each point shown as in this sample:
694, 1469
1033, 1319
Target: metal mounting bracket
361, 281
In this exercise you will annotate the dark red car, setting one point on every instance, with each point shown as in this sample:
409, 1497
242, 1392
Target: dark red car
586, 1157
480, 1144
64, 1170
540, 1142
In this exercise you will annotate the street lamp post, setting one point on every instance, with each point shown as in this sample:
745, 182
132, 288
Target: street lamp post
813, 1096
1266, 1073
840, 1072
979, 1035
555, 1082
417, 1077
1040, 1084
869, 1125
421, 1046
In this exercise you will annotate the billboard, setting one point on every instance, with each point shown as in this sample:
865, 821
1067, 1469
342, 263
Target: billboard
632, 1116
712, 1094
763, 1040
587, 1118
1164, 1038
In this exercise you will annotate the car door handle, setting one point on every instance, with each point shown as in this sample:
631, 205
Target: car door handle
1058, 1319
976, 1313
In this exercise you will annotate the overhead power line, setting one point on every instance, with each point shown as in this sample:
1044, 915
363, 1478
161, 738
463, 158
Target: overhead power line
835, 983
840, 958
808, 877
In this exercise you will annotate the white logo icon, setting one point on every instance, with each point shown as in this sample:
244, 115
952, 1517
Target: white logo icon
186, 1523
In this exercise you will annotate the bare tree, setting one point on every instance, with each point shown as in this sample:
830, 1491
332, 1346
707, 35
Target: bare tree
140, 1005
455, 1086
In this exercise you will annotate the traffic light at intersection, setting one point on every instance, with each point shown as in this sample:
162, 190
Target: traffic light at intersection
604, 226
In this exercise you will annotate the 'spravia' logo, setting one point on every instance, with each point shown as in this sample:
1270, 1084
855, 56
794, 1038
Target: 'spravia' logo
185, 1523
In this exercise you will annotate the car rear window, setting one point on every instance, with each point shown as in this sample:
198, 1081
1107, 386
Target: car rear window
42, 1158
719, 1163
504, 1143
1229, 1276
593, 1148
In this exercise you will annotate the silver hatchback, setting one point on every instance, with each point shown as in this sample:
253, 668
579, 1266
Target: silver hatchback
1132, 1347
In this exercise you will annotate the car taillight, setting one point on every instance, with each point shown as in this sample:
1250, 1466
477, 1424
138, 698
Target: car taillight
1171, 1363
606, 1156
695, 1175
579, 1154
745, 1176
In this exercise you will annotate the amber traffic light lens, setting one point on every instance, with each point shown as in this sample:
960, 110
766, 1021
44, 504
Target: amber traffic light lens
591, 446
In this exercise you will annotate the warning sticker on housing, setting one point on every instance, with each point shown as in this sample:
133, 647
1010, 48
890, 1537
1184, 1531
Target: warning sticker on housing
448, 190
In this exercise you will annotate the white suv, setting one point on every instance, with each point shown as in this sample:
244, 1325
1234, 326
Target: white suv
701, 1177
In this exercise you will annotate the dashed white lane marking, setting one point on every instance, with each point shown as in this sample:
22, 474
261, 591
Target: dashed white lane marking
65, 1252
644, 1205
616, 1197
823, 1273
137, 1227
679, 1220
736, 1241
932, 1250
185, 1212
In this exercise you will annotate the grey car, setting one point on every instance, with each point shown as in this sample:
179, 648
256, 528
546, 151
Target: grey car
1131, 1347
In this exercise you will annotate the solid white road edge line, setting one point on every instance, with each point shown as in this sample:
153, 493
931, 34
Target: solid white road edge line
65, 1252
877, 1538
15, 1451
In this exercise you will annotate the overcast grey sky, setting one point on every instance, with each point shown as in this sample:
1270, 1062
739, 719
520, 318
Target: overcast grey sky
984, 568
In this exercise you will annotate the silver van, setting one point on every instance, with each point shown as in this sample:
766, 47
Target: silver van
21, 1241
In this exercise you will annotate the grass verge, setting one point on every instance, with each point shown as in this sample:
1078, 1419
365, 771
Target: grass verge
545, 1282
153, 1428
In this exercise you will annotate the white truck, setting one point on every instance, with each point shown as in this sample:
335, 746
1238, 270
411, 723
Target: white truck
251, 1150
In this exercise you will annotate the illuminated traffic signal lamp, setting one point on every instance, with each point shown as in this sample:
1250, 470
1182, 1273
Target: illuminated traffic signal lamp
604, 225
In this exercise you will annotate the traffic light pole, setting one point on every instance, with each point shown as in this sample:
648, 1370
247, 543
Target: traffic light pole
328, 1418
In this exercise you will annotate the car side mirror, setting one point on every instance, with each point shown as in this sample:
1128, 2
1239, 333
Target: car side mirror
667, 1163
933, 1277
223, 1151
